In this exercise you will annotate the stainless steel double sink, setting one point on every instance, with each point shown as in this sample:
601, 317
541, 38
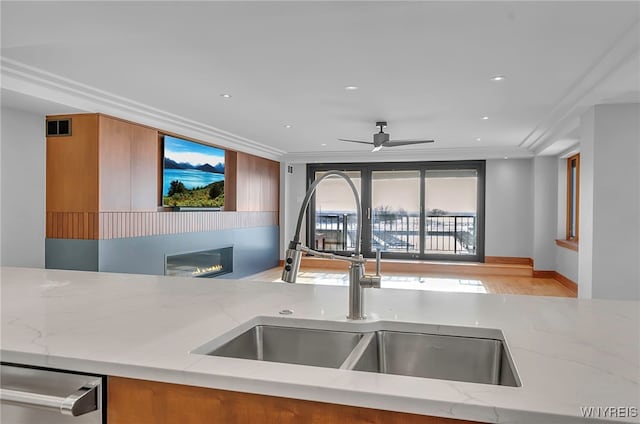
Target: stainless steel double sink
470, 354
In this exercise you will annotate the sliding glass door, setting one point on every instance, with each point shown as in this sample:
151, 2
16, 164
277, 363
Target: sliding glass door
451, 212
395, 211
335, 213
412, 210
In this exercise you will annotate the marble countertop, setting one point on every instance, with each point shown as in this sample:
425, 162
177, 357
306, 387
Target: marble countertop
569, 353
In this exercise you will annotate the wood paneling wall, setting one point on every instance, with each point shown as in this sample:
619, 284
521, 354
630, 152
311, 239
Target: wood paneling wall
128, 166
230, 180
142, 224
72, 167
111, 225
104, 182
258, 183
147, 402
73, 225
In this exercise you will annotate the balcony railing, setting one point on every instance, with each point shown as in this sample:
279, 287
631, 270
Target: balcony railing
399, 232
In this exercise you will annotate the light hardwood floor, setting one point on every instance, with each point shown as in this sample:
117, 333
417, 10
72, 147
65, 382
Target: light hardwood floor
498, 284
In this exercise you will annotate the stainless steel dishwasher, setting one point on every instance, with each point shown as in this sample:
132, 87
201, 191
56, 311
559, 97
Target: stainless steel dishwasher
38, 396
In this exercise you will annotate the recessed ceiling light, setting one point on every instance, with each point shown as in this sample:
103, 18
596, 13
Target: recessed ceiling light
478, 139
506, 157
351, 87
484, 118
288, 126
323, 144
498, 78
226, 96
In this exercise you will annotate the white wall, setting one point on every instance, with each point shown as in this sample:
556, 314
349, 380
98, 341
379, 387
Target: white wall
567, 264
23, 189
585, 231
509, 208
295, 187
610, 201
545, 206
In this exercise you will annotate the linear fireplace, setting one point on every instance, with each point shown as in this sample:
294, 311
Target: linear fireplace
203, 264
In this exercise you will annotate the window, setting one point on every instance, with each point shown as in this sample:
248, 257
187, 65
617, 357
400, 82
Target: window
418, 210
573, 197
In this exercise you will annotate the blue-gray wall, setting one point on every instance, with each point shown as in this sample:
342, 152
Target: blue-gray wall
78, 255
254, 250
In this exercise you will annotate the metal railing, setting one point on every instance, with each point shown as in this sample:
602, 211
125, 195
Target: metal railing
399, 232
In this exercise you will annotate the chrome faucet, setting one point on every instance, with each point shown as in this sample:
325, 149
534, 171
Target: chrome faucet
358, 280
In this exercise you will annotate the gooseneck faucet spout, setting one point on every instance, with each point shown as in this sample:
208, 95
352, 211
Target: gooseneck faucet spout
357, 278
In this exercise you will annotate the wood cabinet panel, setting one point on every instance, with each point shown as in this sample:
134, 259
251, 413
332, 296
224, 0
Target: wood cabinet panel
128, 166
258, 183
230, 180
72, 225
72, 167
144, 168
115, 165
148, 402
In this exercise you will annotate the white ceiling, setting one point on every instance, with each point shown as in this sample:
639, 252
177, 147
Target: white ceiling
422, 66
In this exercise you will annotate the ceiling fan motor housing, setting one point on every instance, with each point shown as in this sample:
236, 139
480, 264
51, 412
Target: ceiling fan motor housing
380, 138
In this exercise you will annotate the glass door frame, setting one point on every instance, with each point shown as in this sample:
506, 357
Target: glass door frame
366, 169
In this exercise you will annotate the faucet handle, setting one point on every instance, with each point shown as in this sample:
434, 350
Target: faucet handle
373, 281
370, 281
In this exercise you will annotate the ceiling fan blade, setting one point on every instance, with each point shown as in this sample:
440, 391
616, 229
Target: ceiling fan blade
356, 141
392, 143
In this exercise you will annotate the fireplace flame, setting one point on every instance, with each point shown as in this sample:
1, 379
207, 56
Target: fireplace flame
207, 270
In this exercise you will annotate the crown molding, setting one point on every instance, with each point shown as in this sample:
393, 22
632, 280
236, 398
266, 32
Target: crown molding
581, 94
563, 127
31, 81
406, 155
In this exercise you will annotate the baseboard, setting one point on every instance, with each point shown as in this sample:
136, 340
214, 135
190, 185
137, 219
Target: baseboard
570, 284
508, 260
393, 266
501, 260
544, 274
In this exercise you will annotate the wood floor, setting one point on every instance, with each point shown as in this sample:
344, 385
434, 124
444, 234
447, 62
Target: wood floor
498, 284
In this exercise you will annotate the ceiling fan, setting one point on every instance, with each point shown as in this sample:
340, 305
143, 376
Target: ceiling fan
381, 139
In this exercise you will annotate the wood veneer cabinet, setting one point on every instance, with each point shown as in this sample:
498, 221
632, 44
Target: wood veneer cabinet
147, 402
72, 167
128, 166
252, 183
105, 165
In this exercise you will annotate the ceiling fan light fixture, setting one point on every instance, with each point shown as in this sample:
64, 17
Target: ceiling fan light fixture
381, 139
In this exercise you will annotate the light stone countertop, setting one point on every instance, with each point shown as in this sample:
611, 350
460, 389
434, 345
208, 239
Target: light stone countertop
569, 353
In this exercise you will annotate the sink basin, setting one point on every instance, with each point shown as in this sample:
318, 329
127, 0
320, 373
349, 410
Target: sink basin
476, 355
291, 345
471, 359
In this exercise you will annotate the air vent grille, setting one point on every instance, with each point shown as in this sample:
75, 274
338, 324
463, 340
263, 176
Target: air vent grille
58, 127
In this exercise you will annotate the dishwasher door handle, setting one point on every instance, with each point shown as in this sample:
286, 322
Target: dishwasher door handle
81, 402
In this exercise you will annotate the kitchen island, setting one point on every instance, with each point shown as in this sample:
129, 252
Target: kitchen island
570, 354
